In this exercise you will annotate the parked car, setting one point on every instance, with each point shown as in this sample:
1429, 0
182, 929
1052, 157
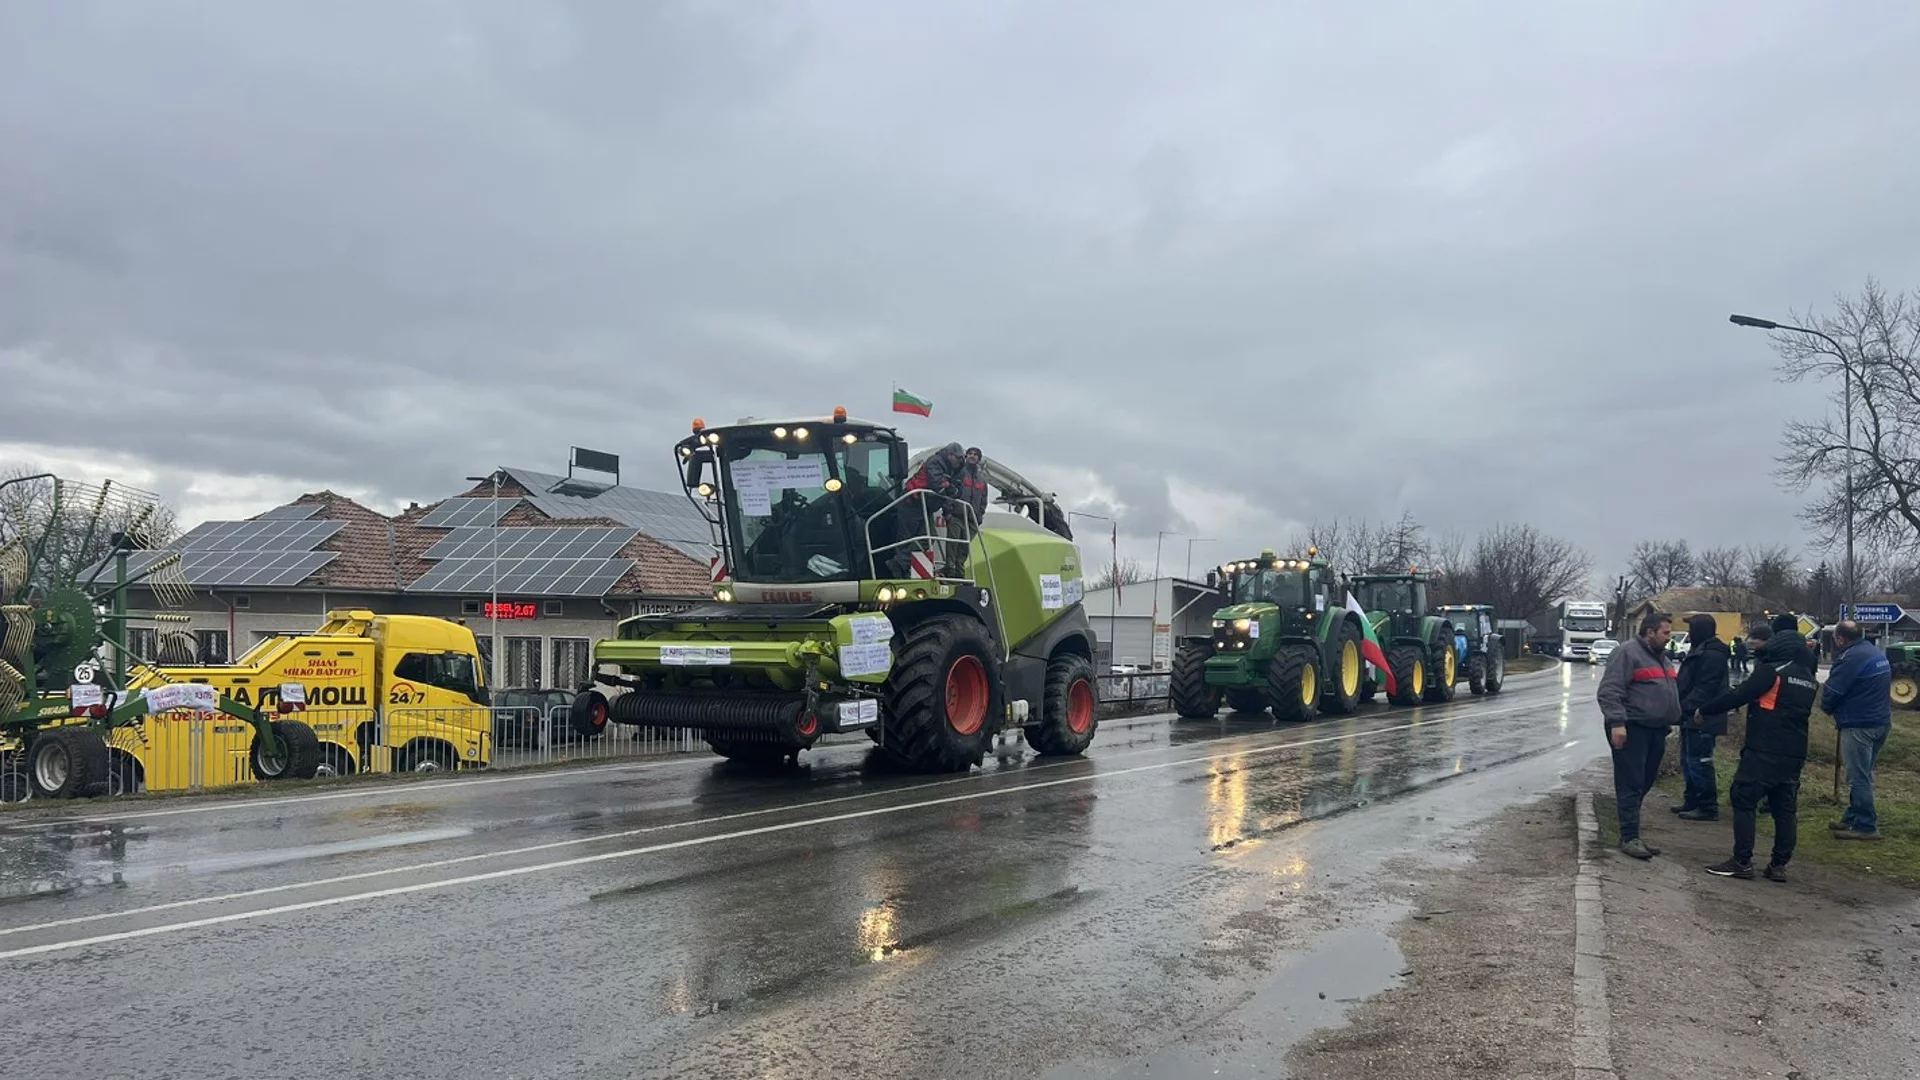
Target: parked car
1601, 651
1677, 646
521, 714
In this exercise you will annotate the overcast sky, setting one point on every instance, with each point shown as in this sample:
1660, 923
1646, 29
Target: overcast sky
1226, 266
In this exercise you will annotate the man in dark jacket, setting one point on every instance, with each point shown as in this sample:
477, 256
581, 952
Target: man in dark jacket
939, 476
1779, 697
1859, 697
1740, 657
1639, 702
1703, 677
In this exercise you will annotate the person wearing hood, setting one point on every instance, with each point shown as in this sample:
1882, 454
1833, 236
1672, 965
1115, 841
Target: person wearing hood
1779, 697
941, 477
1704, 675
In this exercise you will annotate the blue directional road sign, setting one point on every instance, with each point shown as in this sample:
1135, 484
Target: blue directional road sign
1875, 613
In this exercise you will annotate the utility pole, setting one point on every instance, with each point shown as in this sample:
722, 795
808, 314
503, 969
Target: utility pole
493, 606
1153, 649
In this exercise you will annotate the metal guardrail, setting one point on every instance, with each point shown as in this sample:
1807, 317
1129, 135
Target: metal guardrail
1134, 693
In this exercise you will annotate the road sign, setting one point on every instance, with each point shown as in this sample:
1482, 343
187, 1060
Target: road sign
1874, 613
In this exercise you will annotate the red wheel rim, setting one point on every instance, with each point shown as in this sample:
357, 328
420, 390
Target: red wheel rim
599, 714
1079, 707
808, 724
967, 695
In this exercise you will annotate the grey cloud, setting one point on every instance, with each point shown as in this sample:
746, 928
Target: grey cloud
1339, 263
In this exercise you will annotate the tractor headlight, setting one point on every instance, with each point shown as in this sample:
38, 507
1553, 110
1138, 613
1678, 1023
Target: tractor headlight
1219, 624
885, 594
1242, 624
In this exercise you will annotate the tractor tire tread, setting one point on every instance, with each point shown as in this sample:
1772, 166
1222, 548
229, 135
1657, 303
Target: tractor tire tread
1051, 736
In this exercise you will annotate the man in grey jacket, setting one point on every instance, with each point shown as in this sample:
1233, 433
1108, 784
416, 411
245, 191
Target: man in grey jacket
1639, 700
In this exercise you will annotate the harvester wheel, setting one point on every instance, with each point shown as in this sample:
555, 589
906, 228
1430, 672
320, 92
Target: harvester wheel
1496, 670
1246, 699
944, 696
1409, 666
1349, 674
1477, 673
67, 763
1193, 699
1067, 708
299, 756
588, 715
1293, 683
1904, 691
1443, 666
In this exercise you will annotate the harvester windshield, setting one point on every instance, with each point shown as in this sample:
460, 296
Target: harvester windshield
796, 507
1288, 588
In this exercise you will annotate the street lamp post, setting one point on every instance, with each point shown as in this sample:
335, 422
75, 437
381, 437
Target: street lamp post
1113, 590
1153, 650
1846, 368
1190, 543
493, 606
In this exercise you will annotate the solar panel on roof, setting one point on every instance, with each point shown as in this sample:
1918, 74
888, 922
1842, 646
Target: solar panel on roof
524, 543
268, 535
524, 577
289, 512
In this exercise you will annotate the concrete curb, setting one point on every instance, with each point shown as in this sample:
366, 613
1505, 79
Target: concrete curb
1592, 1019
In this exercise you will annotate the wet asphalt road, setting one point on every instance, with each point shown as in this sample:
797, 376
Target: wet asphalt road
1174, 903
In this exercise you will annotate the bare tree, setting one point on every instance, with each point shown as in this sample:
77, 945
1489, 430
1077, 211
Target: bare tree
1451, 568
1878, 334
1659, 565
1521, 571
68, 527
1722, 567
1774, 574
1126, 572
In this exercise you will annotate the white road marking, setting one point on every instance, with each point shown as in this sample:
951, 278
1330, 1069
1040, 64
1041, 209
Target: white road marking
698, 841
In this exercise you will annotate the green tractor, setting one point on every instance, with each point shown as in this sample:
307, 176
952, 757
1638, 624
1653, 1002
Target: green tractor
1419, 645
1284, 641
63, 643
1905, 688
1478, 649
837, 607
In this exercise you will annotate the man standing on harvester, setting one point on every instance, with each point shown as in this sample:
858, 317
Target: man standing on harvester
941, 476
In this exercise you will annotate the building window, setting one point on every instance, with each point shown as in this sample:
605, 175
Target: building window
469, 607
212, 646
554, 609
143, 642
242, 602
523, 661
572, 663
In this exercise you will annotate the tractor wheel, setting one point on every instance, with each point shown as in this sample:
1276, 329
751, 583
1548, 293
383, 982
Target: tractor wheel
1246, 699
1347, 679
299, 756
1443, 667
1293, 682
1409, 666
1067, 708
1496, 671
1193, 699
588, 714
944, 698
1905, 689
67, 763
1477, 673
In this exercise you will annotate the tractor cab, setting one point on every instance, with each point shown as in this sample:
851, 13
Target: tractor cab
1471, 621
1287, 594
804, 509
1402, 598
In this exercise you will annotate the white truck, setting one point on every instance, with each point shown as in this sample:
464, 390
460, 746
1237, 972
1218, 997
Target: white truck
1582, 622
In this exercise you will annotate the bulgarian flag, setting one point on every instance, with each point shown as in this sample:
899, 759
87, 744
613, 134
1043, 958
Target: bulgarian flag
1370, 646
910, 403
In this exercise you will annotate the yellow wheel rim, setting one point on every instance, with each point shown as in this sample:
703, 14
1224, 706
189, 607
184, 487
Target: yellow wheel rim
1419, 676
1309, 684
1449, 668
1906, 690
1349, 668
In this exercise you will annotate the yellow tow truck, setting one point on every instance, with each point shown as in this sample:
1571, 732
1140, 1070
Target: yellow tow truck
383, 693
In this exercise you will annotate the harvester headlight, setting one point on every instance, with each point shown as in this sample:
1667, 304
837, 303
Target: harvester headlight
779, 433
885, 594
833, 483
849, 438
705, 490
686, 452
723, 594
799, 433
713, 438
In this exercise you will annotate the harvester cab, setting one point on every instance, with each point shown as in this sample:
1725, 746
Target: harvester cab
1418, 643
68, 553
1480, 648
1284, 641
847, 597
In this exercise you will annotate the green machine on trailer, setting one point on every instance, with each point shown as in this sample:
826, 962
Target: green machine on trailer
1480, 650
1284, 641
1419, 644
63, 642
832, 612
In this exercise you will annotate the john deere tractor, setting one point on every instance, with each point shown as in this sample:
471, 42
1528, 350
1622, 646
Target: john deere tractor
65, 550
1481, 652
1905, 689
836, 607
1284, 641
1418, 644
